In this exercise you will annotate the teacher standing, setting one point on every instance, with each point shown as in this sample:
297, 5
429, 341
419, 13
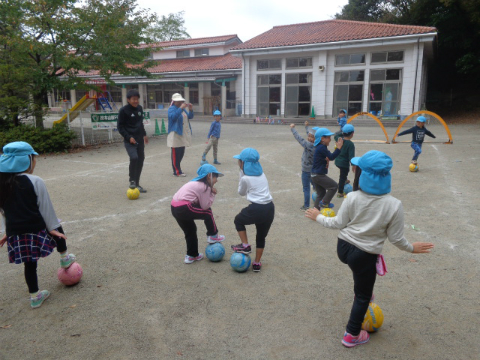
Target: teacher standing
179, 131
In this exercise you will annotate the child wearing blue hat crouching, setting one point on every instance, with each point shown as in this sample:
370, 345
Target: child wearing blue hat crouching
366, 219
32, 227
324, 186
254, 185
418, 135
192, 202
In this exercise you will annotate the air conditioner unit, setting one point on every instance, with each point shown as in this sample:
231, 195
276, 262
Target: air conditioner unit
321, 68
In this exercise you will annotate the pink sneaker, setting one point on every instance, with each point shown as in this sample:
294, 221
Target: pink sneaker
351, 341
191, 259
215, 238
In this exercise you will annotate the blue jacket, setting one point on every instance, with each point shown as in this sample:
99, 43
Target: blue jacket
342, 121
319, 159
175, 119
215, 129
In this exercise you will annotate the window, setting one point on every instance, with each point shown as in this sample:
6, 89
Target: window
183, 53
201, 52
348, 91
384, 96
115, 93
193, 93
269, 64
298, 93
299, 63
387, 56
349, 59
269, 94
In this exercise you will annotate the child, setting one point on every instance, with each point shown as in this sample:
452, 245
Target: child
342, 118
366, 219
32, 227
324, 186
418, 134
213, 136
307, 161
192, 202
254, 185
130, 126
346, 154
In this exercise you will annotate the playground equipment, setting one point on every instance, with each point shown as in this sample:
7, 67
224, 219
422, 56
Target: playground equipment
374, 118
423, 112
81, 105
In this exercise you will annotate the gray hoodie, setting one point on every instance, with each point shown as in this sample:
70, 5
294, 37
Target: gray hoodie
307, 156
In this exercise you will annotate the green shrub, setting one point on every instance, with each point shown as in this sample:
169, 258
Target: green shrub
57, 139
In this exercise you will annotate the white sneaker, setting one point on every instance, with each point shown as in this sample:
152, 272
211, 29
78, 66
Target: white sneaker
191, 259
215, 238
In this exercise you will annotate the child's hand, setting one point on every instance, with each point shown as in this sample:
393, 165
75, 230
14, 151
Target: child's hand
57, 234
292, 126
422, 247
3, 240
312, 213
214, 191
339, 143
306, 123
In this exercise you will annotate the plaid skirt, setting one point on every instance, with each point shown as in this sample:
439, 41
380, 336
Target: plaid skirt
30, 247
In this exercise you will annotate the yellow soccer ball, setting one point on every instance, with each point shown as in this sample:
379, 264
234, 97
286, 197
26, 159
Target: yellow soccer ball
133, 194
413, 167
373, 318
327, 212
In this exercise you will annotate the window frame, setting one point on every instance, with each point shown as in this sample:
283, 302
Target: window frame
386, 58
350, 59
349, 83
202, 54
269, 85
308, 58
385, 82
184, 52
298, 85
269, 67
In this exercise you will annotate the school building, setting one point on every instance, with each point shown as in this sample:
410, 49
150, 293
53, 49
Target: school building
288, 70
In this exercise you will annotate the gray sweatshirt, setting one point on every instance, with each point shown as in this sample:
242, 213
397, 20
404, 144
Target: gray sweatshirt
307, 156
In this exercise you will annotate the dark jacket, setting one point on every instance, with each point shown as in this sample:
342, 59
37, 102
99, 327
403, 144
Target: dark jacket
418, 134
319, 159
130, 123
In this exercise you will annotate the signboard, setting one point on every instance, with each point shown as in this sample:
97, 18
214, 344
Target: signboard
109, 120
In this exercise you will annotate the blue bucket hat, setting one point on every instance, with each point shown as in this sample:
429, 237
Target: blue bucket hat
206, 169
251, 166
217, 113
355, 160
15, 158
348, 129
375, 178
421, 119
319, 133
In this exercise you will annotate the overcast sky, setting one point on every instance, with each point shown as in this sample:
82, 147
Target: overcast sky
246, 18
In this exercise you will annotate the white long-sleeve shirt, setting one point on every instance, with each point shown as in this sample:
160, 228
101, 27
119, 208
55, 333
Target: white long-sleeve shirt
366, 221
255, 188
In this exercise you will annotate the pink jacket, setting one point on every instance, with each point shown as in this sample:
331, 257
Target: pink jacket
196, 193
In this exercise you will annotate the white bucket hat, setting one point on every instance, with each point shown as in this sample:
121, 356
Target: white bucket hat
177, 97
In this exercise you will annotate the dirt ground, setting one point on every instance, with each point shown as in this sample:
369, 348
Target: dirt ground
138, 300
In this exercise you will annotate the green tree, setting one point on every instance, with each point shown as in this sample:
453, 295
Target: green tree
168, 28
58, 40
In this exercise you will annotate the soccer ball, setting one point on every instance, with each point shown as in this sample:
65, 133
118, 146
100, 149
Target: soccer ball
347, 188
327, 212
413, 167
133, 194
71, 275
215, 252
373, 318
240, 262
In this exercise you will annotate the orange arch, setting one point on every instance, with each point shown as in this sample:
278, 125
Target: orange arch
374, 118
450, 140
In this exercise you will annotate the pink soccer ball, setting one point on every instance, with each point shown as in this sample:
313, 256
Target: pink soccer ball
70, 276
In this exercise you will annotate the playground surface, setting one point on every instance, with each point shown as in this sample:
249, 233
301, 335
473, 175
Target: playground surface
137, 298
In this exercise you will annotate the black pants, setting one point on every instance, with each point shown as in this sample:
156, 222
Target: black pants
137, 157
363, 266
30, 267
185, 216
325, 189
343, 178
177, 156
259, 214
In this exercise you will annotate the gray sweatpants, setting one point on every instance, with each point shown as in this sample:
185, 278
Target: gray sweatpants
213, 141
325, 189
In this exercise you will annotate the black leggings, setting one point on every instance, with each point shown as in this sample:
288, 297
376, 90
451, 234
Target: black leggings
259, 214
363, 266
343, 178
30, 267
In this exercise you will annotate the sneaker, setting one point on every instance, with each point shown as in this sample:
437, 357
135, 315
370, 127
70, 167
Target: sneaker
141, 189
132, 185
347, 181
242, 249
351, 341
341, 195
181, 175
204, 157
215, 238
304, 208
38, 300
322, 204
216, 162
414, 162
256, 266
68, 260
191, 259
